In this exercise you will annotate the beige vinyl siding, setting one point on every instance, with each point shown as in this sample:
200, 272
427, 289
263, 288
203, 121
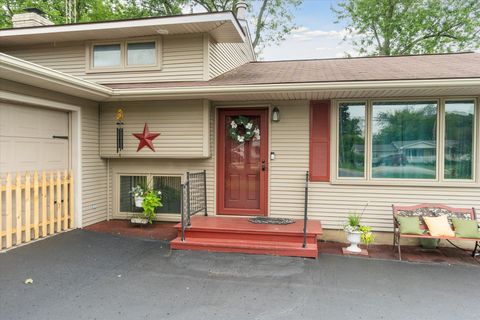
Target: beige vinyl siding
329, 202
94, 174
94, 169
164, 166
224, 57
182, 126
182, 59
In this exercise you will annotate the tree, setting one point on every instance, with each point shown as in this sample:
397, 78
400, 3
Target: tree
91, 10
399, 27
271, 20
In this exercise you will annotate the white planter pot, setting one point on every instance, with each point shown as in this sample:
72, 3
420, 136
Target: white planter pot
354, 238
137, 220
138, 202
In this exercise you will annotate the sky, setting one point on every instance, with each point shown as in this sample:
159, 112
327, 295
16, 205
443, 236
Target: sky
317, 35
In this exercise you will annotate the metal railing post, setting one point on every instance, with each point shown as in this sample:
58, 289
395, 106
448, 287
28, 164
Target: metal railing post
305, 213
182, 211
188, 199
205, 190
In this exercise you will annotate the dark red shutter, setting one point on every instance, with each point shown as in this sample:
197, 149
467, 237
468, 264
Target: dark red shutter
320, 140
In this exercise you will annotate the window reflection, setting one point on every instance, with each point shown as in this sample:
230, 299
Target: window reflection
351, 147
459, 137
404, 140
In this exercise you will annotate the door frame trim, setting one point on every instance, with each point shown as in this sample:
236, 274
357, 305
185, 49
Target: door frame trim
220, 169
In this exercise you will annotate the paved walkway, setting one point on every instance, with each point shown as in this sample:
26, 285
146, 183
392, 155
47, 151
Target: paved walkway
88, 275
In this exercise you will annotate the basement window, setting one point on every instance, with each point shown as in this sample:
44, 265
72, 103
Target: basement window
169, 185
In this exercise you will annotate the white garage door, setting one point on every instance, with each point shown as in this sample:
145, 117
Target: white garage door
33, 139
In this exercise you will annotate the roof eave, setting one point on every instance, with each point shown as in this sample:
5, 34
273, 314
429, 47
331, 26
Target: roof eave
21, 71
205, 91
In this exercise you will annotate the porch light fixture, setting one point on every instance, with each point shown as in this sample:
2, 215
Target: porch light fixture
275, 115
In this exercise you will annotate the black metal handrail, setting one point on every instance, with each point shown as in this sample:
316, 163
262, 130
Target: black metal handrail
193, 198
305, 211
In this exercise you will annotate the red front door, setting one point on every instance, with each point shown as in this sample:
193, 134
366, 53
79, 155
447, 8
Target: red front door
242, 166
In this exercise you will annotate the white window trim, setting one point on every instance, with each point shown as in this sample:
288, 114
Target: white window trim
124, 67
369, 180
116, 194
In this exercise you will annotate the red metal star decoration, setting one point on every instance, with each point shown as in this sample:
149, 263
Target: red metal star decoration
146, 138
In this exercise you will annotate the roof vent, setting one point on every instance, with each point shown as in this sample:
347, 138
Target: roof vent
31, 17
241, 10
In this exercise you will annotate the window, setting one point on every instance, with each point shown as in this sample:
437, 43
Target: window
141, 53
123, 56
171, 190
351, 144
431, 140
106, 56
459, 137
170, 186
404, 140
127, 203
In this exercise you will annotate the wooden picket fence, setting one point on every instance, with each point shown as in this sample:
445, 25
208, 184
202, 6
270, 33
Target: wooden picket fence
35, 206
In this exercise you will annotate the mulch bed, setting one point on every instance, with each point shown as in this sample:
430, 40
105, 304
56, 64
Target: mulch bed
409, 253
164, 231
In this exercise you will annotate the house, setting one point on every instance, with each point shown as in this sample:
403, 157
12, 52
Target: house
376, 130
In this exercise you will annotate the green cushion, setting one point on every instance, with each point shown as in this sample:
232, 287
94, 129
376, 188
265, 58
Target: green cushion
466, 228
409, 225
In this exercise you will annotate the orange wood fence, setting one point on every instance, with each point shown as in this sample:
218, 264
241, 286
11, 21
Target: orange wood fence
35, 206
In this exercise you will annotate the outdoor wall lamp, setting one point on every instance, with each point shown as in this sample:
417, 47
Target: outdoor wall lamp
275, 114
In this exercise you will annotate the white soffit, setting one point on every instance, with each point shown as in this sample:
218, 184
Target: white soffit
222, 26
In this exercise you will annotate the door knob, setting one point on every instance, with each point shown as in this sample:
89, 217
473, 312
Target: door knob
264, 166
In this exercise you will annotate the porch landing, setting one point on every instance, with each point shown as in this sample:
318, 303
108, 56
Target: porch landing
237, 234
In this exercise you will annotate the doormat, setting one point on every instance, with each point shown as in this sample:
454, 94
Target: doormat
267, 220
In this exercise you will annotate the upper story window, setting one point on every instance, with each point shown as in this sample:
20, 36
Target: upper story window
107, 56
128, 55
421, 140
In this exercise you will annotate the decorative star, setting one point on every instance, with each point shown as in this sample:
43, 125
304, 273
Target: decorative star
146, 138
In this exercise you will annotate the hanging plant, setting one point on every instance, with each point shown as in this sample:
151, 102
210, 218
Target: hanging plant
242, 129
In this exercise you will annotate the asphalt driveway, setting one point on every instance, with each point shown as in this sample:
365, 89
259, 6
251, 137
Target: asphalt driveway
87, 275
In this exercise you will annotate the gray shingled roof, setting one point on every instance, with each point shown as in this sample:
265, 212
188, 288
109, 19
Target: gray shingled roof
439, 66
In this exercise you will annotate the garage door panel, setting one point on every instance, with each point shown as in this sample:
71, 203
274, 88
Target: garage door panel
26, 139
21, 121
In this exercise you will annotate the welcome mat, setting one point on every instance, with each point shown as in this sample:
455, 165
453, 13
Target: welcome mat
268, 220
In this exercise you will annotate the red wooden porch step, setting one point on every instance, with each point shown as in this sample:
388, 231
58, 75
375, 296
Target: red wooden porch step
235, 234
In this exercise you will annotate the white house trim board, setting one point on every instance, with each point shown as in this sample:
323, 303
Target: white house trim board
76, 140
219, 25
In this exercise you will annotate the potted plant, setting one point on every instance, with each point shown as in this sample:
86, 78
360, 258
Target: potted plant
357, 233
151, 200
138, 193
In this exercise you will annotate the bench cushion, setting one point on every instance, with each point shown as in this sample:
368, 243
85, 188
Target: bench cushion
466, 228
439, 226
409, 225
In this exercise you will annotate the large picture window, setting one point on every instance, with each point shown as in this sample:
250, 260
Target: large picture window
404, 140
431, 140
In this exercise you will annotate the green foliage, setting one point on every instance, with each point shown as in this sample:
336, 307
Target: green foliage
367, 236
150, 202
353, 220
91, 10
398, 27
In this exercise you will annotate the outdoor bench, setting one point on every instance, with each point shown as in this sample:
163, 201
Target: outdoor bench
431, 210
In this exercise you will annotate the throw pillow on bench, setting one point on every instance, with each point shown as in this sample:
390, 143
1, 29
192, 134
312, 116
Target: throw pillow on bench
466, 228
409, 225
439, 226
